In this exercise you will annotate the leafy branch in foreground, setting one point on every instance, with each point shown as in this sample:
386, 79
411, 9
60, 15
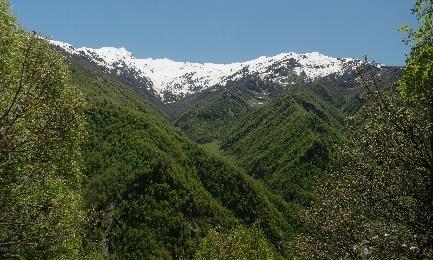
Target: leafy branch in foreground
41, 130
378, 200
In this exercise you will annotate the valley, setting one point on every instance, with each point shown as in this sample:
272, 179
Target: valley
246, 151
109, 154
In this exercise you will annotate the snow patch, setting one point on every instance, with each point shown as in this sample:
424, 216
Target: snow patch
183, 78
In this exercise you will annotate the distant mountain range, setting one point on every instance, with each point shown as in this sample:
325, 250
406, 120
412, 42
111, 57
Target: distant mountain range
176, 149
171, 80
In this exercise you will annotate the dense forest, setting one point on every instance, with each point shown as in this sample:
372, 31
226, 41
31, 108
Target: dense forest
92, 167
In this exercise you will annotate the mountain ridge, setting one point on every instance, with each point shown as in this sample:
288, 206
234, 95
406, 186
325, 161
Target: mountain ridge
172, 80
164, 190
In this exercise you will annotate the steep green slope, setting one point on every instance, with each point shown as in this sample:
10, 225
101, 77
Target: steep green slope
151, 191
213, 117
139, 86
209, 115
286, 143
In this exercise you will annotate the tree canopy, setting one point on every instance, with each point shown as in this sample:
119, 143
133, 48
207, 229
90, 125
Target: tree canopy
41, 130
378, 200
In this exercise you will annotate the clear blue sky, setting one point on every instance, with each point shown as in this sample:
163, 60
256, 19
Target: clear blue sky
225, 30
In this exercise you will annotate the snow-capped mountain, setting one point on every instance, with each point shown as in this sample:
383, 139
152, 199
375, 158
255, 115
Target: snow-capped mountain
172, 80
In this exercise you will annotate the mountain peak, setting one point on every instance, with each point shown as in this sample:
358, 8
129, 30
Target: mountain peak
179, 79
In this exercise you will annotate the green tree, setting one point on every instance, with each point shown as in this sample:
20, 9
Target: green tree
41, 130
374, 203
378, 200
240, 243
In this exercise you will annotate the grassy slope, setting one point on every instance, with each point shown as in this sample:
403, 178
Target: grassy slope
154, 192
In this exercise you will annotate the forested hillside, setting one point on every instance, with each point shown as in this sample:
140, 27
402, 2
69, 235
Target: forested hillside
209, 115
212, 118
287, 143
154, 192
294, 156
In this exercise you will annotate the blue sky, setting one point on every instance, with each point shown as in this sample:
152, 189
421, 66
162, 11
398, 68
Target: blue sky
225, 31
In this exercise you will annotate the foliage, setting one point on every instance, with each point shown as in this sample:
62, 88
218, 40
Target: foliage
212, 148
239, 243
374, 203
286, 143
210, 115
152, 192
378, 200
212, 118
41, 130
417, 79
